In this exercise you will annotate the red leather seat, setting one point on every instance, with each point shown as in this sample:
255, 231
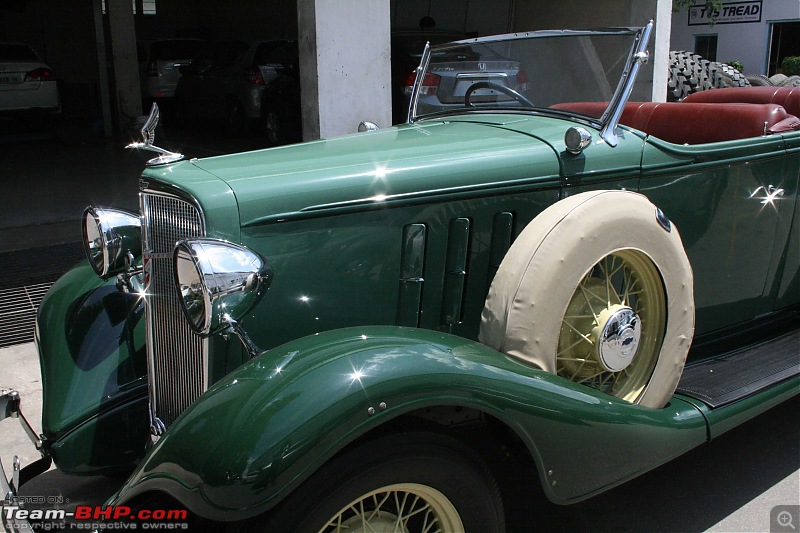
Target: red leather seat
788, 97
696, 123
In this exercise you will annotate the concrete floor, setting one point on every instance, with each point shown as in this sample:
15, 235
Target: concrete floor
728, 485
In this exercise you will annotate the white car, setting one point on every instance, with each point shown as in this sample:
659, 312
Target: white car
26, 82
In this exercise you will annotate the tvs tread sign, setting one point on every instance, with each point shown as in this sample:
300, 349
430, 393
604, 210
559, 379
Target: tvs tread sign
730, 13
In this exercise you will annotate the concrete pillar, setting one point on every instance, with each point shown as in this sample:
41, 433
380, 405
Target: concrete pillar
126, 65
660, 49
345, 71
102, 68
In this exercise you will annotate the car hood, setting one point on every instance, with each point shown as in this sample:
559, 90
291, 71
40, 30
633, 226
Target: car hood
396, 164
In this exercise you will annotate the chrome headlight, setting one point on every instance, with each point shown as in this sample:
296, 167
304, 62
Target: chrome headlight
217, 281
112, 239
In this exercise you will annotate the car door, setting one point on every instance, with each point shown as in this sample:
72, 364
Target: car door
725, 200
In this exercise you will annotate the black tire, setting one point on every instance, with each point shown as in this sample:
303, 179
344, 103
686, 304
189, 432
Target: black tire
778, 79
235, 122
759, 80
427, 460
273, 125
182, 114
791, 81
690, 73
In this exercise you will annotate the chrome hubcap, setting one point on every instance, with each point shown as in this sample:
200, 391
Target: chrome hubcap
617, 337
613, 327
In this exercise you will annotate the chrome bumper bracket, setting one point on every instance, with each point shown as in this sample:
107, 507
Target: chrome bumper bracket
9, 487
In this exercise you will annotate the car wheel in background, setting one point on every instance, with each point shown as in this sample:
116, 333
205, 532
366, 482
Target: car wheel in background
235, 122
273, 128
597, 289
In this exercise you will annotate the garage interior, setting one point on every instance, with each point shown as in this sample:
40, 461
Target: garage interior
52, 171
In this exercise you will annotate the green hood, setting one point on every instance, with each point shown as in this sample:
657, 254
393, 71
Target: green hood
397, 163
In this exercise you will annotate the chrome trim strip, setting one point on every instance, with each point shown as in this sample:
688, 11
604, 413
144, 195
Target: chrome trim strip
539, 33
613, 112
423, 65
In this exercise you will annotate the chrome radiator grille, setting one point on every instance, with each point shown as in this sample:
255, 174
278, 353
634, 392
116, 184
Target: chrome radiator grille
177, 357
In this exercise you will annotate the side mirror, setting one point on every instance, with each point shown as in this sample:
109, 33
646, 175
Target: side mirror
367, 126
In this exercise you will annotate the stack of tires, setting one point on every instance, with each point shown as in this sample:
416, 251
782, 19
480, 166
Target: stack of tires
690, 73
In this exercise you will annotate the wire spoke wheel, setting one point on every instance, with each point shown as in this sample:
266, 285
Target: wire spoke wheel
612, 331
401, 508
401, 482
597, 289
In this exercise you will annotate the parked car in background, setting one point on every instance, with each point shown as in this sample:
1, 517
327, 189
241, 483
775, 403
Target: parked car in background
225, 81
281, 116
160, 64
365, 333
280, 107
26, 82
406, 49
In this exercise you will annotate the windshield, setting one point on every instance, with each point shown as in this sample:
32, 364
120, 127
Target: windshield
518, 72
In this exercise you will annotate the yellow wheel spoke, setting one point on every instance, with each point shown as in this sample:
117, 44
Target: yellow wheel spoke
580, 333
584, 291
590, 378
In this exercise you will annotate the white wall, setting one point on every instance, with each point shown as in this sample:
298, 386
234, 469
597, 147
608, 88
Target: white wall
747, 42
345, 68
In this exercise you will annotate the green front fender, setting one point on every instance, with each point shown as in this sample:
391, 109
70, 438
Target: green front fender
90, 338
263, 429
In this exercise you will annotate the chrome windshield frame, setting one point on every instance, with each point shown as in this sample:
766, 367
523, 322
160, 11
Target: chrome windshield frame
423, 64
608, 121
610, 118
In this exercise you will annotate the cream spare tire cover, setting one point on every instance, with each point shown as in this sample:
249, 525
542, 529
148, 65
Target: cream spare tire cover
536, 280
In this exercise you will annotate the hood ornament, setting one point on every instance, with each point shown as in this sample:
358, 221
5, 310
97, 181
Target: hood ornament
149, 137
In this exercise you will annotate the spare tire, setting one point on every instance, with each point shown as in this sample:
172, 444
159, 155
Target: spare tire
597, 289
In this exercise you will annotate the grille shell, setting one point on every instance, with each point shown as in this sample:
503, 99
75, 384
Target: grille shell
177, 358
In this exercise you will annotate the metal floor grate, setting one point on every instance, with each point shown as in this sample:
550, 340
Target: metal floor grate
18, 306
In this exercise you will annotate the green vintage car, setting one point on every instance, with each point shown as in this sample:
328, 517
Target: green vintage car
344, 334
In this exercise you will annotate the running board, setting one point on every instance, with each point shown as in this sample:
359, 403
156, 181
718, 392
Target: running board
733, 376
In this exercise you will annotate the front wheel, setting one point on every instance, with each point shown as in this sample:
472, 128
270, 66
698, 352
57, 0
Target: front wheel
418, 482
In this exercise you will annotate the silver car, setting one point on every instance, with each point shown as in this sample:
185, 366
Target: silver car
26, 82
226, 80
459, 75
160, 64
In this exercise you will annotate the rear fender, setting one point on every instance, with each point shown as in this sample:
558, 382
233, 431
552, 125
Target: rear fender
266, 427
